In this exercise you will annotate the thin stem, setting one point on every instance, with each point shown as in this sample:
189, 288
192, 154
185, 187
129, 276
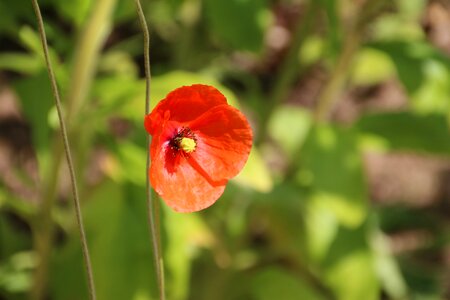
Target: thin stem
152, 204
62, 125
329, 95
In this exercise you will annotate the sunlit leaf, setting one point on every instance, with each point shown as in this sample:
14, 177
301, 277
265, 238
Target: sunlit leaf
372, 66
349, 269
289, 126
387, 268
125, 95
20, 62
353, 277
311, 50
16, 272
255, 173
118, 63
276, 283
133, 161
322, 226
408, 131
424, 72
186, 234
333, 168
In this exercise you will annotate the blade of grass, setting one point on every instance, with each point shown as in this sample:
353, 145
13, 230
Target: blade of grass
85, 249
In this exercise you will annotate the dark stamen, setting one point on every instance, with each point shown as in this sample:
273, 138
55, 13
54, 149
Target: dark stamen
183, 132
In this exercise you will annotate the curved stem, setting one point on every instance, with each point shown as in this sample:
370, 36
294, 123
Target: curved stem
62, 125
152, 204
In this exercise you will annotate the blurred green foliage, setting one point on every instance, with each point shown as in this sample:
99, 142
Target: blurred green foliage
300, 221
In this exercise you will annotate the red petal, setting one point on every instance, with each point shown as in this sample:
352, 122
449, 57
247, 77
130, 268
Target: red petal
184, 104
224, 141
181, 186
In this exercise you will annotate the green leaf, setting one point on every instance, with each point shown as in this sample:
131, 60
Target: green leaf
332, 170
404, 24
321, 226
311, 50
289, 126
36, 100
118, 62
186, 235
255, 173
124, 95
424, 71
408, 131
21, 63
16, 273
387, 268
12, 202
276, 283
349, 269
132, 159
372, 66
353, 277
337, 194
433, 95
76, 10
117, 231
30, 39
237, 22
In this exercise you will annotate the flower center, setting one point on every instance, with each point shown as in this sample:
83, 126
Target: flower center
184, 140
188, 144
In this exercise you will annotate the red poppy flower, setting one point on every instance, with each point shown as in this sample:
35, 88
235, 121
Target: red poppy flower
199, 143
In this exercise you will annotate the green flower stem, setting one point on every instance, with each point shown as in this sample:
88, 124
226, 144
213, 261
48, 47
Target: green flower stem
39, 290
329, 95
152, 204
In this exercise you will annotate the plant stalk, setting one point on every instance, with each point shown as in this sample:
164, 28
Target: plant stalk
329, 95
152, 204
38, 292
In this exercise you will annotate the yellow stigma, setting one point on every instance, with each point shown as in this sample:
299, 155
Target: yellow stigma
187, 144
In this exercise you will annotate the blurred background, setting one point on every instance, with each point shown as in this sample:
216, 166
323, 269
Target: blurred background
346, 194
